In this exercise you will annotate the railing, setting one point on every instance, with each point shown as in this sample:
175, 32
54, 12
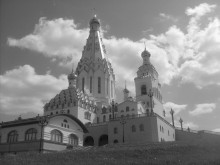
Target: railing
187, 130
142, 115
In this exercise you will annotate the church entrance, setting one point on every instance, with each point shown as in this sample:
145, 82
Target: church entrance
103, 140
89, 141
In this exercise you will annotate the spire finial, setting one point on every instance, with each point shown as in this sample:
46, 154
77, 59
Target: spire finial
144, 45
94, 12
72, 67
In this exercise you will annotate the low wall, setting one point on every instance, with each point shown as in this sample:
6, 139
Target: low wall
206, 136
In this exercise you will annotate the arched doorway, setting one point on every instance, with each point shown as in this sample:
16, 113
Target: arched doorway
103, 140
89, 141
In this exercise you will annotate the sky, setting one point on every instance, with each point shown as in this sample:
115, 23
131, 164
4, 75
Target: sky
42, 39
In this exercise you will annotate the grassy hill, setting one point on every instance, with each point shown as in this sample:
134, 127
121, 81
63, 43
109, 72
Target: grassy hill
154, 153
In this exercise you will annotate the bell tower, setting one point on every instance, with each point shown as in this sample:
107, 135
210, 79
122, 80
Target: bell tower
95, 75
147, 86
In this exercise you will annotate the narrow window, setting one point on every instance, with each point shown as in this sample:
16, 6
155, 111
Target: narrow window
107, 85
83, 84
143, 90
141, 127
115, 130
97, 119
91, 84
99, 84
127, 109
112, 88
133, 128
104, 118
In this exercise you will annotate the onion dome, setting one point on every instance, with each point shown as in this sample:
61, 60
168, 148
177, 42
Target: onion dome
94, 20
145, 54
94, 24
72, 76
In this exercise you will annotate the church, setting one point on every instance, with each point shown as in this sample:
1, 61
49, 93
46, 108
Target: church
86, 113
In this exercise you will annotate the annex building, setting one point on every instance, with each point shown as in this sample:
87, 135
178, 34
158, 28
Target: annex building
86, 113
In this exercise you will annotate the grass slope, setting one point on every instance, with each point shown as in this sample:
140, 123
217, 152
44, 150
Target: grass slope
155, 153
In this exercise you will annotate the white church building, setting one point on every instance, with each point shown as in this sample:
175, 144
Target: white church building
86, 113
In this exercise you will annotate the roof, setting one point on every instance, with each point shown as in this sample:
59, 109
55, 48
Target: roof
36, 120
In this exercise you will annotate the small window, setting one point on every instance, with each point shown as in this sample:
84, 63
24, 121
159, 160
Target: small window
56, 112
127, 109
115, 130
143, 90
51, 113
115, 141
141, 127
68, 111
133, 128
65, 121
104, 118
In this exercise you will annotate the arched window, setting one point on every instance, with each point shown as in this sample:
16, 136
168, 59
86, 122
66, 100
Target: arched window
115, 130
110, 116
68, 111
104, 118
12, 136
141, 127
133, 128
73, 140
143, 90
127, 109
56, 136
31, 134
83, 84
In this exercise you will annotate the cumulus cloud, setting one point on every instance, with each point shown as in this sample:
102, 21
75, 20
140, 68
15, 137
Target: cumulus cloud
168, 17
176, 107
192, 55
59, 38
200, 10
203, 109
216, 130
23, 90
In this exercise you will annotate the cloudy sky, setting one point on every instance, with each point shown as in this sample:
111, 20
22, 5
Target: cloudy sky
41, 39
